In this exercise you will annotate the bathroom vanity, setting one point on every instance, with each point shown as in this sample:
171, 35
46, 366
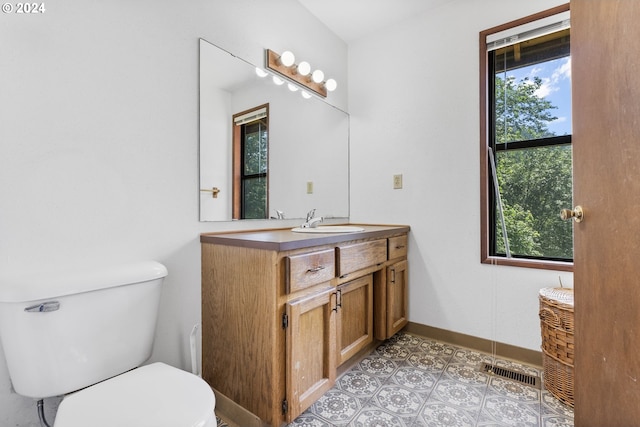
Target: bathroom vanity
282, 311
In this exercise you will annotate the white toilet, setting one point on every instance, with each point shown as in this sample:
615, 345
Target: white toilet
84, 335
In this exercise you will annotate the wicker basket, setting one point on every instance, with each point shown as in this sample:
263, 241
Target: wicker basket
558, 348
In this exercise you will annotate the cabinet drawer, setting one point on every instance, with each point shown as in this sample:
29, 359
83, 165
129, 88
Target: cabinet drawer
305, 270
360, 255
397, 247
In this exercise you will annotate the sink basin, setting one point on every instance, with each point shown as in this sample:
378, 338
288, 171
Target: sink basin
329, 229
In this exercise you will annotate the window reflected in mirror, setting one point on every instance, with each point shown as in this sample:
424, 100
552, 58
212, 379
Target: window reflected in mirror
251, 163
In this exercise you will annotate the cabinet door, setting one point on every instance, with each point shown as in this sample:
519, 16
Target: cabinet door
397, 297
311, 350
355, 317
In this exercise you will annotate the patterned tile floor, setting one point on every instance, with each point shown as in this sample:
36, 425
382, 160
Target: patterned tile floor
414, 382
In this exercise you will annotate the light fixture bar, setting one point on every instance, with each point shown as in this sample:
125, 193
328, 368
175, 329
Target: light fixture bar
290, 73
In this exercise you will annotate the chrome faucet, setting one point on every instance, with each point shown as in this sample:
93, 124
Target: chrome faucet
312, 221
280, 215
311, 214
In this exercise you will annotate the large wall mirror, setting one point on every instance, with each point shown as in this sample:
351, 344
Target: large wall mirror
301, 157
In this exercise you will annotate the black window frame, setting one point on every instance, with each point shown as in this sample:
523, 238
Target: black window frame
247, 178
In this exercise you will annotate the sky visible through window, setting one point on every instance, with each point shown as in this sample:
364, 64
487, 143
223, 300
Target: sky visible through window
556, 88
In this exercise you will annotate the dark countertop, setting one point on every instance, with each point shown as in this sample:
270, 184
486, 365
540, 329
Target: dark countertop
285, 239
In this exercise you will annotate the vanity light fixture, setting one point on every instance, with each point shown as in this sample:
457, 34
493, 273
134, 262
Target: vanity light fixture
285, 66
261, 73
287, 58
304, 68
317, 76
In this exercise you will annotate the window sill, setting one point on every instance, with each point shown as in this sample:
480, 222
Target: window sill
529, 263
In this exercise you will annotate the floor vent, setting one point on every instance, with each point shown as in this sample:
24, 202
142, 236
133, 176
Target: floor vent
530, 380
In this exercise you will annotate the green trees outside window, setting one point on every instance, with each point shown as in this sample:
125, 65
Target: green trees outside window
254, 170
531, 139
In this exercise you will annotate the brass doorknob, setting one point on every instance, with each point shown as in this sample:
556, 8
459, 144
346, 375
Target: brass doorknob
577, 214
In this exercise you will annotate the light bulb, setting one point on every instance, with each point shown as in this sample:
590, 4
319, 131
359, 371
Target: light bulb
277, 80
261, 73
287, 58
317, 76
306, 94
331, 85
304, 68
292, 87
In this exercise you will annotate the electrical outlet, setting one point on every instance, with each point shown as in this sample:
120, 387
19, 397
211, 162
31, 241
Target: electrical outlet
397, 181
309, 187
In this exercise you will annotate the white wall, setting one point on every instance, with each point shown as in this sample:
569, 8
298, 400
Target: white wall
99, 140
413, 100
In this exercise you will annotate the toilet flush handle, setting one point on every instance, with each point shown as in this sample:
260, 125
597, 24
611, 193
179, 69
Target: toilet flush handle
43, 307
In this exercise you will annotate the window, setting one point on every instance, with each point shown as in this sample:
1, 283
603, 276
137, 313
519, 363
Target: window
250, 163
526, 142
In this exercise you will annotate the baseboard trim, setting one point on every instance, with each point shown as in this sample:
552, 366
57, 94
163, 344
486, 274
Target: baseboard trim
507, 351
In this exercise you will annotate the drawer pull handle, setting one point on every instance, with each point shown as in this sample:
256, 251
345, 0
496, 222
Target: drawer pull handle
338, 295
316, 269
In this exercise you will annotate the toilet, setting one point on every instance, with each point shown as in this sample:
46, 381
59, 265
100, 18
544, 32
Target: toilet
84, 336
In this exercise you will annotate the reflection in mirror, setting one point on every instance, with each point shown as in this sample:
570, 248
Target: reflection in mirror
302, 159
250, 163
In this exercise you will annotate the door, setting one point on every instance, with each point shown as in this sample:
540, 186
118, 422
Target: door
355, 317
311, 350
605, 40
397, 297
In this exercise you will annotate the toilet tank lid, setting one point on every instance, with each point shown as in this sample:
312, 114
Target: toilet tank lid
33, 287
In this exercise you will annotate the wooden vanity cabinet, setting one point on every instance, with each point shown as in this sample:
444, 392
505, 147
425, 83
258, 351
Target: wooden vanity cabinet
282, 310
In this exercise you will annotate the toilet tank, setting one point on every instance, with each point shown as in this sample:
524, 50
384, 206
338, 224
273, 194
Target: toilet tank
64, 332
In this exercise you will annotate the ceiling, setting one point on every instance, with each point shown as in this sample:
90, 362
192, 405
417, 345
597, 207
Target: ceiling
353, 19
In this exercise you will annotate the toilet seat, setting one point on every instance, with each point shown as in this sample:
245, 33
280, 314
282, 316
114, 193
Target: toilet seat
156, 395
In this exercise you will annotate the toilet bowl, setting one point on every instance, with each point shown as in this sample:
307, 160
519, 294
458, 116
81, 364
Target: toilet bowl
85, 335
155, 395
